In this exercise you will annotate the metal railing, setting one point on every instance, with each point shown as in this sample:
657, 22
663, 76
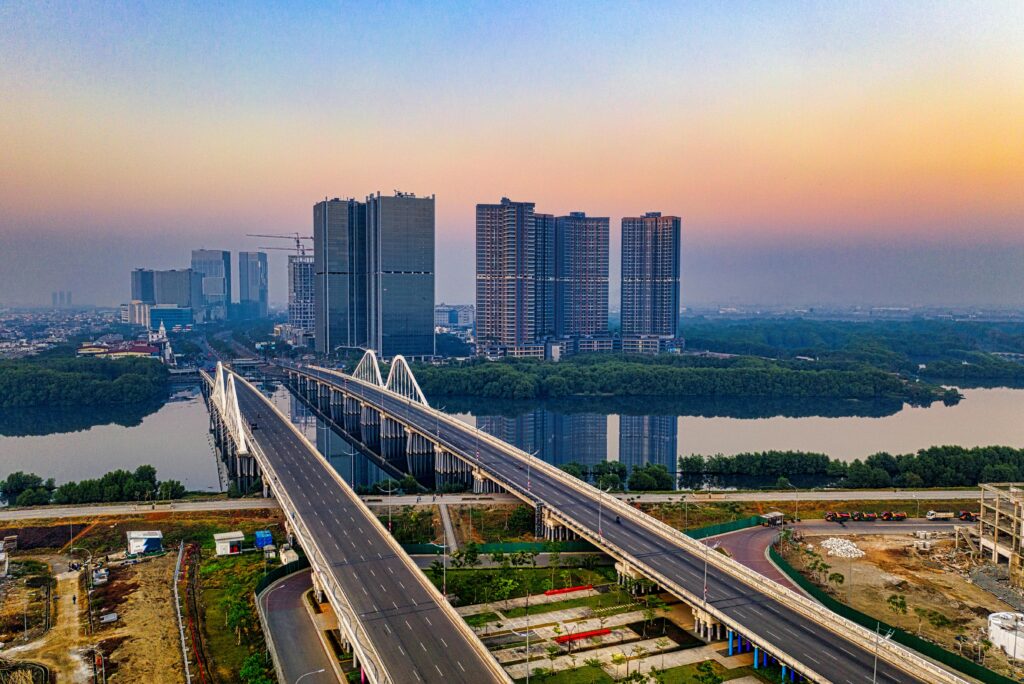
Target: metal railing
356, 630
903, 658
177, 610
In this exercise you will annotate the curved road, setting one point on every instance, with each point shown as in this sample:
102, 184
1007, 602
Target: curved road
297, 646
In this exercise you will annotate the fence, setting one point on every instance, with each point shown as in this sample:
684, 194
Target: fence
281, 571
722, 528
927, 648
177, 609
509, 547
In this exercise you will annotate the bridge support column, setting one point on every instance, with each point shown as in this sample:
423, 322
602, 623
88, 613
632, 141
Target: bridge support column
757, 657
730, 633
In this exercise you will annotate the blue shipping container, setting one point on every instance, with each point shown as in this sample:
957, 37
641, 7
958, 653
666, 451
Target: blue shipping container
263, 538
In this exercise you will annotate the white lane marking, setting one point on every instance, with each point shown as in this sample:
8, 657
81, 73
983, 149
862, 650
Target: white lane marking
408, 625
435, 666
444, 642
459, 663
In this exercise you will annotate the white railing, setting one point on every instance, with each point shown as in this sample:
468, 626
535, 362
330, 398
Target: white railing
355, 627
892, 652
177, 611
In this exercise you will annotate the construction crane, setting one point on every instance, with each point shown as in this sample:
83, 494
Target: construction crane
299, 247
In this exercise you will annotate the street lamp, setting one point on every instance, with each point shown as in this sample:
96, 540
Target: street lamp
527, 635
796, 517
600, 502
444, 564
389, 491
707, 550
309, 673
874, 672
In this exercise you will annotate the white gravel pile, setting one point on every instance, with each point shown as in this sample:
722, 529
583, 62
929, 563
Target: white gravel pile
841, 548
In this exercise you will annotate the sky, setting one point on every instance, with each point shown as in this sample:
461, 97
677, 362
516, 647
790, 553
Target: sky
818, 153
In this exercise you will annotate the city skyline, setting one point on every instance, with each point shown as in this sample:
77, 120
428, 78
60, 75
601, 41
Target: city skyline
808, 140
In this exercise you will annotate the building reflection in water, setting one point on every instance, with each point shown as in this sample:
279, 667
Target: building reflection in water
583, 438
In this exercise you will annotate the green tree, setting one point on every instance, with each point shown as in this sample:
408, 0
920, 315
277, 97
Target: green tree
897, 604
707, 674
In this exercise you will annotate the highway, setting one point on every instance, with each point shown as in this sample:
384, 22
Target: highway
823, 651
297, 647
415, 638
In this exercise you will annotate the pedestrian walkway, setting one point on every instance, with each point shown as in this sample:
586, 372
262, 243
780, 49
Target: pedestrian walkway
521, 602
449, 529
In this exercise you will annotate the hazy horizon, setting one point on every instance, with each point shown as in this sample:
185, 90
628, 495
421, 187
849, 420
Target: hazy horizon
865, 153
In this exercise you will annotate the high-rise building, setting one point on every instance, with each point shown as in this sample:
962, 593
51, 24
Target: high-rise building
176, 287
581, 275
506, 272
374, 274
301, 309
400, 274
142, 286
339, 266
213, 267
544, 272
650, 275
252, 284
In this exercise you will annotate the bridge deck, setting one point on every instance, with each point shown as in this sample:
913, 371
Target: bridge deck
415, 638
841, 660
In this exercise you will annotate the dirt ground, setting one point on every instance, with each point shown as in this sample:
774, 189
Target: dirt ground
932, 590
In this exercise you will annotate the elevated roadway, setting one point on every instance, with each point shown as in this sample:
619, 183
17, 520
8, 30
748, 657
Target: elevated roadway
813, 641
405, 628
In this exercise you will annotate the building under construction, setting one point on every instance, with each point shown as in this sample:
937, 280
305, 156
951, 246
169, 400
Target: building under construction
1002, 512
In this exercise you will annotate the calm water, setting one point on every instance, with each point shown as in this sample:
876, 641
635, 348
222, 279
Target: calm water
65, 445
174, 437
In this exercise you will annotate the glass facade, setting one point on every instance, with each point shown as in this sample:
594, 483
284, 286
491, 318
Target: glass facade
213, 269
253, 297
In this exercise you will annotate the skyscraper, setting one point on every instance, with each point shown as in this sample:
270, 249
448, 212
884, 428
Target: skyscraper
214, 272
650, 275
581, 275
400, 270
374, 274
252, 284
506, 271
142, 286
339, 266
177, 287
301, 309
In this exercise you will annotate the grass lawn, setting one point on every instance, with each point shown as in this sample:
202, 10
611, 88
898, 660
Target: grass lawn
481, 585
606, 600
480, 619
588, 674
687, 674
223, 578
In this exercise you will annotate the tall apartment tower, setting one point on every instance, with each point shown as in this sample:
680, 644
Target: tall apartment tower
301, 308
339, 269
581, 275
650, 275
506, 273
252, 284
374, 274
142, 286
400, 270
648, 439
213, 269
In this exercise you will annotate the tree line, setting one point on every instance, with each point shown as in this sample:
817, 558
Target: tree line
672, 376
62, 381
938, 466
29, 489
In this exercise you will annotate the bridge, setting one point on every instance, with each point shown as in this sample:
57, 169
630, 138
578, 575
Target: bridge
397, 626
392, 419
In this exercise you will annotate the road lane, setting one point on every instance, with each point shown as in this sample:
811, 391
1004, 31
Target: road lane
826, 652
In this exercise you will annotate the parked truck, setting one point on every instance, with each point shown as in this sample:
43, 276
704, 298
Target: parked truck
836, 516
968, 516
893, 516
940, 516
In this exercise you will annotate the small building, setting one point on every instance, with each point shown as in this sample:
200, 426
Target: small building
1006, 630
773, 519
151, 541
288, 556
228, 543
10, 543
263, 538
269, 552
4, 565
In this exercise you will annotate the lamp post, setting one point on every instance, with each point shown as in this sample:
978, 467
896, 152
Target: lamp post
527, 635
600, 502
297, 679
874, 672
444, 564
796, 516
390, 490
707, 550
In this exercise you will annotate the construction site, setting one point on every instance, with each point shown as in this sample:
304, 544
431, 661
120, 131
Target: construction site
117, 599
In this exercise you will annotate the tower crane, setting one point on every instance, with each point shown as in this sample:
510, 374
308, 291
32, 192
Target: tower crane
299, 247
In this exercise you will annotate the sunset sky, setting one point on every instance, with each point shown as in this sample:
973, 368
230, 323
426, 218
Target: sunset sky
834, 152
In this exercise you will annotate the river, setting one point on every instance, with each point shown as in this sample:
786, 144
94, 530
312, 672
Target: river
174, 437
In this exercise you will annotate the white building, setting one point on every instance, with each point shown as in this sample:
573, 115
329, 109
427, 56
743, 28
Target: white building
228, 543
1006, 631
147, 541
